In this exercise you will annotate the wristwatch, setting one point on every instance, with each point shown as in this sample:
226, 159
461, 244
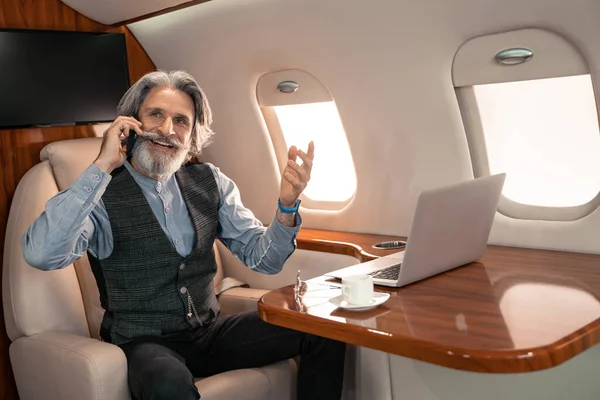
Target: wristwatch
288, 210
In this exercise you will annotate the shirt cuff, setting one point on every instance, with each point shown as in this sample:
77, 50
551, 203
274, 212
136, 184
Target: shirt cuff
91, 184
283, 233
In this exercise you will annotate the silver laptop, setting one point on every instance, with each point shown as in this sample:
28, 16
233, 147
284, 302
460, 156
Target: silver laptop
450, 228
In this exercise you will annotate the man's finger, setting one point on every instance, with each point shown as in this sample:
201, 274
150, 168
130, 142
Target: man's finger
295, 182
138, 130
127, 126
292, 153
299, 170
306, 160
123, 137
311, 150
118, 122
130, 119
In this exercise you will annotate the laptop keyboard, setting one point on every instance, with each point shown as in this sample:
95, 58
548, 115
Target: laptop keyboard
387, 273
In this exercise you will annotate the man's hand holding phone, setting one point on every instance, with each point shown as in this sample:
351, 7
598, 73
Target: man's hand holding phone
114, 144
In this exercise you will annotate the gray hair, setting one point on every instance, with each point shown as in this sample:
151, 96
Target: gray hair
201, 131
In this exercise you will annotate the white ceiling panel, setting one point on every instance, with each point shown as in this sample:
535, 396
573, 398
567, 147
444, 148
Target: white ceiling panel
112, 11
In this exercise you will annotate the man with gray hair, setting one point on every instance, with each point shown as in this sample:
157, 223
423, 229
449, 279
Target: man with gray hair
148, 216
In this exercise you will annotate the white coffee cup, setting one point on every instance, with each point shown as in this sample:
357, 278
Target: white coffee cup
357, 289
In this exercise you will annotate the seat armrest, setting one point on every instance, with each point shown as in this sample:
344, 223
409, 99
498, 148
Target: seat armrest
275, 381
239, 299
229, 283
61, 366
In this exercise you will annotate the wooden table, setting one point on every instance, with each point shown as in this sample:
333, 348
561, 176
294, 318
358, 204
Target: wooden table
517, 310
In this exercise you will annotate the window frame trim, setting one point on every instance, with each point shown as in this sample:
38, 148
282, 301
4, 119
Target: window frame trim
475, 135
280, 149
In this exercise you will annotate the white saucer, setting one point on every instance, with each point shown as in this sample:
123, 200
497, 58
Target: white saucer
378, 299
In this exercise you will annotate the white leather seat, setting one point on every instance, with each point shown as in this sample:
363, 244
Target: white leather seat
53, 317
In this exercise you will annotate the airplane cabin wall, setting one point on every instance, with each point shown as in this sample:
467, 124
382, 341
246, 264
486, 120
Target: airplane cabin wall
388, 67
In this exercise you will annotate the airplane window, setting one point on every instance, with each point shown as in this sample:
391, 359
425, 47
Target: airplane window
544, 134
333, 176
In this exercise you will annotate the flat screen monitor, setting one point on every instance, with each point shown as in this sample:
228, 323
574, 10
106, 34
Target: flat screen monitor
57, 78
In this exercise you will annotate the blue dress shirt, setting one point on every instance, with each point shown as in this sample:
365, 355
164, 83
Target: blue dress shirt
75, 221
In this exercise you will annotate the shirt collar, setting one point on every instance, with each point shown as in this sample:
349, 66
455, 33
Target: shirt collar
142, 179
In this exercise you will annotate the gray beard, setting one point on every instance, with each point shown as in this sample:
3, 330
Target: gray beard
155, 163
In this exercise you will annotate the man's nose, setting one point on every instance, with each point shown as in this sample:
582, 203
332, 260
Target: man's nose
167, 127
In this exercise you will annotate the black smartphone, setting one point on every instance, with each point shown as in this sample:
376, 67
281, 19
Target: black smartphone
130, 142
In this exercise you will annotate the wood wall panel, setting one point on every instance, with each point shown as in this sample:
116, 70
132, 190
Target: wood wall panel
139, 62
44, 14
20, 148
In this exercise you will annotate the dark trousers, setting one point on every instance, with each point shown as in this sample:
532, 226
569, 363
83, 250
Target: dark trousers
164, 368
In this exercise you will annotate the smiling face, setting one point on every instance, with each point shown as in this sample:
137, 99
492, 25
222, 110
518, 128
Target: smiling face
167, 117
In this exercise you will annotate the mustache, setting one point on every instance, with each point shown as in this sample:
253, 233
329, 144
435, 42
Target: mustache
157, 136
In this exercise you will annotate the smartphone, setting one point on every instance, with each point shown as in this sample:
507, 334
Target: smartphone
130, 142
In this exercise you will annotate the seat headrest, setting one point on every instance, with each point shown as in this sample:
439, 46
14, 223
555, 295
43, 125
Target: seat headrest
69, 158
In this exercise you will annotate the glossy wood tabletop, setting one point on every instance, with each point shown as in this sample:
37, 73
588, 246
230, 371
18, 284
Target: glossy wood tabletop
516, 310
357, 245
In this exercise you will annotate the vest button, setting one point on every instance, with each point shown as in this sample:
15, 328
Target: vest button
183, 290
182, 267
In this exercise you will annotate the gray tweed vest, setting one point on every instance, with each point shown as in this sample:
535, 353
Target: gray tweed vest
146, 287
